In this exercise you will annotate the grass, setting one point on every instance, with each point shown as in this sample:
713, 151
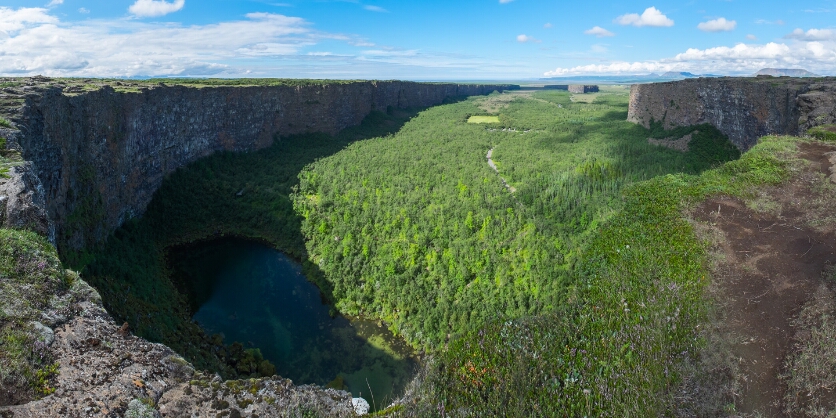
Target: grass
5, 123
483, 119
811, 368
30, 275
823, 132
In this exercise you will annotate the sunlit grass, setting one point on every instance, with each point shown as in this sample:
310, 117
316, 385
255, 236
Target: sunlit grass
483, 119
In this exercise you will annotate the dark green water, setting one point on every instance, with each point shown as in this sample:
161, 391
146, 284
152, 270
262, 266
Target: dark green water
258, 296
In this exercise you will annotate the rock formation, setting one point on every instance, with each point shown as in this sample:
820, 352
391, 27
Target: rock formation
742, 108
100, 155
580, 88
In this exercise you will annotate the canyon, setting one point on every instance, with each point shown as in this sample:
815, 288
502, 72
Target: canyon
100, 155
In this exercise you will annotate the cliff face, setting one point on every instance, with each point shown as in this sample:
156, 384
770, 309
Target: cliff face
101, 155
742, 108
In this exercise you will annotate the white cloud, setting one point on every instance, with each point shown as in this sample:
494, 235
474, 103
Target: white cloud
33, 41
651, 17
525, 38
375, 9
12, 21
55, 3
815, 56
547, 26
154, 8
717, 25
598, 32
38, 43
751, 37
812, 35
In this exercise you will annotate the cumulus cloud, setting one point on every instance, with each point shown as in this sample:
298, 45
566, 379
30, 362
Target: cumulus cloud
651, 17
717, 25
525, 38
12, 21
599, 32
154, 8
816, 56
812, 35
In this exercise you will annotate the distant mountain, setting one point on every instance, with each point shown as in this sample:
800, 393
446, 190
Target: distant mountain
626, 79
677, 74
786, 72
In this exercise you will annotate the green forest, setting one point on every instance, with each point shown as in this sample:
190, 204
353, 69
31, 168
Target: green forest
402, 219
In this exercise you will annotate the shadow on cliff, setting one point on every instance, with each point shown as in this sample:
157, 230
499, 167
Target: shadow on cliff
246, 195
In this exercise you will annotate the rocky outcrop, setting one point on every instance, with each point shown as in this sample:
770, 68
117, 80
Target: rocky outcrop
101, 155
105, 371
22, 202
580, 88
742, 108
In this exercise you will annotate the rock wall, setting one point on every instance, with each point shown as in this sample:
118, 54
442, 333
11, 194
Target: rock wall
580, 88
742, 108
101, 155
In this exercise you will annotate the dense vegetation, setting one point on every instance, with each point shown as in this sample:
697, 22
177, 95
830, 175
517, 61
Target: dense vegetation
416, 229
618, 344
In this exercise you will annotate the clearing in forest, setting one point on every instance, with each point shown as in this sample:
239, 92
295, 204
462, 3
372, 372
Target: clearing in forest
483, 119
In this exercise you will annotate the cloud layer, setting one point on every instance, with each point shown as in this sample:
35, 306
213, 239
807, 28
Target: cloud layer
813, 50
651, 17
33, 41
38, 43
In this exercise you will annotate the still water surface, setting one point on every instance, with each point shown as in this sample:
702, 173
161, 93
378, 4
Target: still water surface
253, 294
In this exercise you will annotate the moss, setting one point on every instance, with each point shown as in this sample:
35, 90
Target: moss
30, 276
5, 123
823, 132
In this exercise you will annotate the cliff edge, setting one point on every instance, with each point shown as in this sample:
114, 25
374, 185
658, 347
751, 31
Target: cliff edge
742, 108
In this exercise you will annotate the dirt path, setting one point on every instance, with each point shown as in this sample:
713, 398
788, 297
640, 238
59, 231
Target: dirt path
773, 266
495, 168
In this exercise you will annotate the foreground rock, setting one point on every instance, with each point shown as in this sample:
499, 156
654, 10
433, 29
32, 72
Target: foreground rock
105, 371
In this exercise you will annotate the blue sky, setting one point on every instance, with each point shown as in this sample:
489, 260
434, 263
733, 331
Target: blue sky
410, 39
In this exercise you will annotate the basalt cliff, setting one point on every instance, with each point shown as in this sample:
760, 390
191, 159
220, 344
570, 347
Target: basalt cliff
101, 154
80, 157
742, 108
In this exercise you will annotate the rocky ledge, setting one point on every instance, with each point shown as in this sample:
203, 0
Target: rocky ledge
745, 109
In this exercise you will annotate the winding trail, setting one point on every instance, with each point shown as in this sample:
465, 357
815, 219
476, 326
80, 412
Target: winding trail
495, 168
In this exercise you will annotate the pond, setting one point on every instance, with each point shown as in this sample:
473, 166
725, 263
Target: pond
255, 295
